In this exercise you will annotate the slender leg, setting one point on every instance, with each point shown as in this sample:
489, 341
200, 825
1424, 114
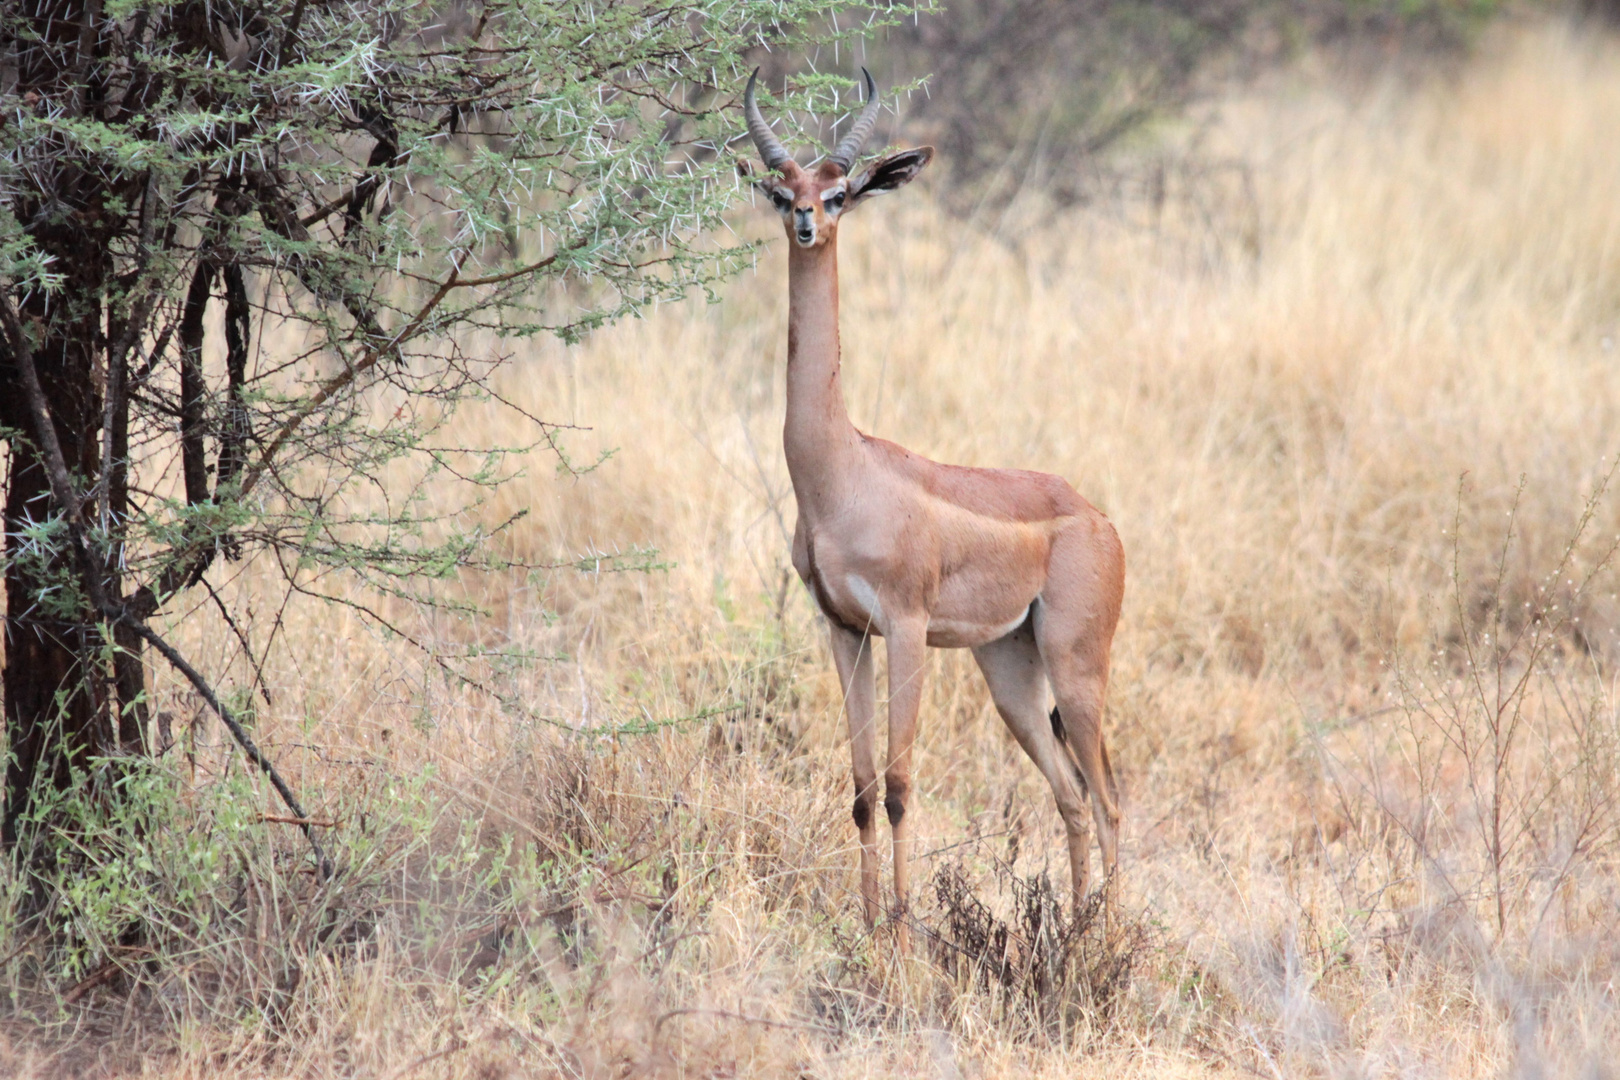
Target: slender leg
1074, 630
1016, 674
1080, 697
853, 654
907, 650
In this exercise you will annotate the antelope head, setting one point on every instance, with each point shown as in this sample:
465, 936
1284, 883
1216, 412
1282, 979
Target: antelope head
811, 201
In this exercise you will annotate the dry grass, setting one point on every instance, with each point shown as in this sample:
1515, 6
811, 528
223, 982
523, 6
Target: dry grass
1276, 417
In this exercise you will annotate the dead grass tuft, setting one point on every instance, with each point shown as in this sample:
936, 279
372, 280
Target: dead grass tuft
1062, 976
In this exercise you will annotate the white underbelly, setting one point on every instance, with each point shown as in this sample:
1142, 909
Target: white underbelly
967, 634
860, 605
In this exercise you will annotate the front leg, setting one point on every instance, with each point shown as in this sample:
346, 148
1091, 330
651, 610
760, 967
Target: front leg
853, 654
908, 648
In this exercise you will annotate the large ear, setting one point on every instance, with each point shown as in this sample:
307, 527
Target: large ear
889, 173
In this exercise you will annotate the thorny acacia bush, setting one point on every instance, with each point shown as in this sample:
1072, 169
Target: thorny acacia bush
364, 186
240, 250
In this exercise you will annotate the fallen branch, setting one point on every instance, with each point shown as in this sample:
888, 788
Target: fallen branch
727, 1014
103, 974
457, 1045
108, 971
283, 819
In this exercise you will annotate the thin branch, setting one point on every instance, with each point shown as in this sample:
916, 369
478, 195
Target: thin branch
118, 356
241, 638
341, 380
375, 354
62, 491
249, 747
289, 36
283, 819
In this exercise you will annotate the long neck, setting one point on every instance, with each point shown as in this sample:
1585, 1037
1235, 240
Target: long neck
818, 437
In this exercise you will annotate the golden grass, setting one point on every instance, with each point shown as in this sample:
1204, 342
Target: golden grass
1276, 417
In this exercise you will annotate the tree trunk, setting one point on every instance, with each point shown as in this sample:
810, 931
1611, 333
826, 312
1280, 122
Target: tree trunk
61, 692
56, 704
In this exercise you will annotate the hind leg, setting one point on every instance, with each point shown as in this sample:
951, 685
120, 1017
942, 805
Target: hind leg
1016, 675
1080, 707
1079, 610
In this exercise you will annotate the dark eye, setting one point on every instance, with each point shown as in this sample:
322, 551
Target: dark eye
836, 202
781, 201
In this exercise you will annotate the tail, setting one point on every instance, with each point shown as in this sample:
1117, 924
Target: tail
1108, 770
1068, 752
1108, 765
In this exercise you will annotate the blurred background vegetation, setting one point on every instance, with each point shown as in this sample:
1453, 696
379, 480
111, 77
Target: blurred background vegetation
1056, 96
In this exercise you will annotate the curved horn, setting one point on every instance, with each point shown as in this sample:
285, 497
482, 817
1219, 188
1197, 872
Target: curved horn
850, 148
770, 148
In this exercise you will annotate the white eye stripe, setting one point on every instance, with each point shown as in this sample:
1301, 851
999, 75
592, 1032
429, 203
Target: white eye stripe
831, 192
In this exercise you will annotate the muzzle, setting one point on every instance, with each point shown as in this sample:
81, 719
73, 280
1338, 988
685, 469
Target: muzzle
804, 228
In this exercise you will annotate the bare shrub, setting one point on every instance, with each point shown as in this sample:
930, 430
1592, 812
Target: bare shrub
1487, 806
1061, 975
1503, 778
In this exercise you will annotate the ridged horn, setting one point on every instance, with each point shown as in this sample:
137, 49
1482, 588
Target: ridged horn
850, 147
771, 150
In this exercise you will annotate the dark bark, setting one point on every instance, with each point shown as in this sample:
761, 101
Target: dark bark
59, 482
383, 154
56, 703
193, 390
238, 325
58, 709
108, 606
129, 672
